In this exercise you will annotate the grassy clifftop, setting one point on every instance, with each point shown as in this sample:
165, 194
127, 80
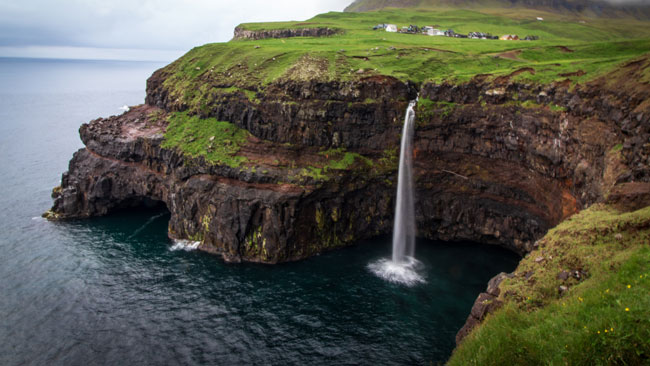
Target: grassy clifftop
580, 299
570, 49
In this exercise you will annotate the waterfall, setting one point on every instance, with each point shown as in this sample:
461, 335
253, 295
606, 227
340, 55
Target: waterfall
403, 268
404, 226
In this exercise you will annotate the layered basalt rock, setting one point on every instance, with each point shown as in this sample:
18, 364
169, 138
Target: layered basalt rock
241, 33
496, 162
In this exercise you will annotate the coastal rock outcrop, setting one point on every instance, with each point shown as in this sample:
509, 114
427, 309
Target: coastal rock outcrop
495, 162
242, 33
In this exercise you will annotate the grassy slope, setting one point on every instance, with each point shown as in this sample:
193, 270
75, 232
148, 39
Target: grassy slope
604, 318
218, 142
598, 45
583, 8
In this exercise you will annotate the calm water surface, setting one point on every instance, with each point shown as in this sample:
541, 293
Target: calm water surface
110, 291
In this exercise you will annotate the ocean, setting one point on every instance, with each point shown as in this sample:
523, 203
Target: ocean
115, 290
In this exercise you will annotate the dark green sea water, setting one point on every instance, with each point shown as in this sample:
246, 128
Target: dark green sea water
110, 291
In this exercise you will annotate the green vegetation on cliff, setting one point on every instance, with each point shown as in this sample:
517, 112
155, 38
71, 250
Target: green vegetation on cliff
216, 141
601, 315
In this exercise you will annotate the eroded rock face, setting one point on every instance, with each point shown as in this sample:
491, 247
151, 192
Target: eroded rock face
233, 214
493, 163
241, 33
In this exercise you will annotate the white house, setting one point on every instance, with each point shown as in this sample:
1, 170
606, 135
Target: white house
435, 32
540, 18
391, 28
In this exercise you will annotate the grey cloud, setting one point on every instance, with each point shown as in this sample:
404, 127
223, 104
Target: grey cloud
158, 24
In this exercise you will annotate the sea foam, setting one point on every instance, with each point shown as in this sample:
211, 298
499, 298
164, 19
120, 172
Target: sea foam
186, 245
406, 272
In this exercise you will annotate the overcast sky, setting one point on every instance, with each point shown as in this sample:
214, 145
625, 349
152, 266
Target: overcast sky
131, 29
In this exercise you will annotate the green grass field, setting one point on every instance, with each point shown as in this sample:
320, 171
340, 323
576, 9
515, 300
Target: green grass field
565, 46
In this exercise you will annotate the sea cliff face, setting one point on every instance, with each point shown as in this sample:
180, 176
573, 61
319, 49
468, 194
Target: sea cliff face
496, 162
242, 33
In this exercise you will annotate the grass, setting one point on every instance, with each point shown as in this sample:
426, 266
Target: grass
602, 319
218, 142
583, 51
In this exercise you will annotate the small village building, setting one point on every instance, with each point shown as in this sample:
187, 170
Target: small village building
509, 37
391, 28
450, 33
435, 32
540, 18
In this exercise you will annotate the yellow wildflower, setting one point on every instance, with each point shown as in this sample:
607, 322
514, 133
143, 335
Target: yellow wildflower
598, 332
605, 330
629, 286
627, 309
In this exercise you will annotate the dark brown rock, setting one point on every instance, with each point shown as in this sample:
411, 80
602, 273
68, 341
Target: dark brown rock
563, 276
630, 196
241, 33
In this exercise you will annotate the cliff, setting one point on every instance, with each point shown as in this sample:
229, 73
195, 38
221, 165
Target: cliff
242, 33
493, 163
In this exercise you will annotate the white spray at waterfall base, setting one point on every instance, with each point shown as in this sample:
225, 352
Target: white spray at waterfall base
186, 245
403, 267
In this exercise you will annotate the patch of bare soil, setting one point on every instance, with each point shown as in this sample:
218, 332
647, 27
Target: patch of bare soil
308, 68
504, 79
575, 73
144, 121
565, 49
511, 55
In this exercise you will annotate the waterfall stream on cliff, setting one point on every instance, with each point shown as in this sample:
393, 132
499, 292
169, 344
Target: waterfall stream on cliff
403, 268
404, 226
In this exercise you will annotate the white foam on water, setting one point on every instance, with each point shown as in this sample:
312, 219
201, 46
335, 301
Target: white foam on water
186, 245
38, 218
406, 272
